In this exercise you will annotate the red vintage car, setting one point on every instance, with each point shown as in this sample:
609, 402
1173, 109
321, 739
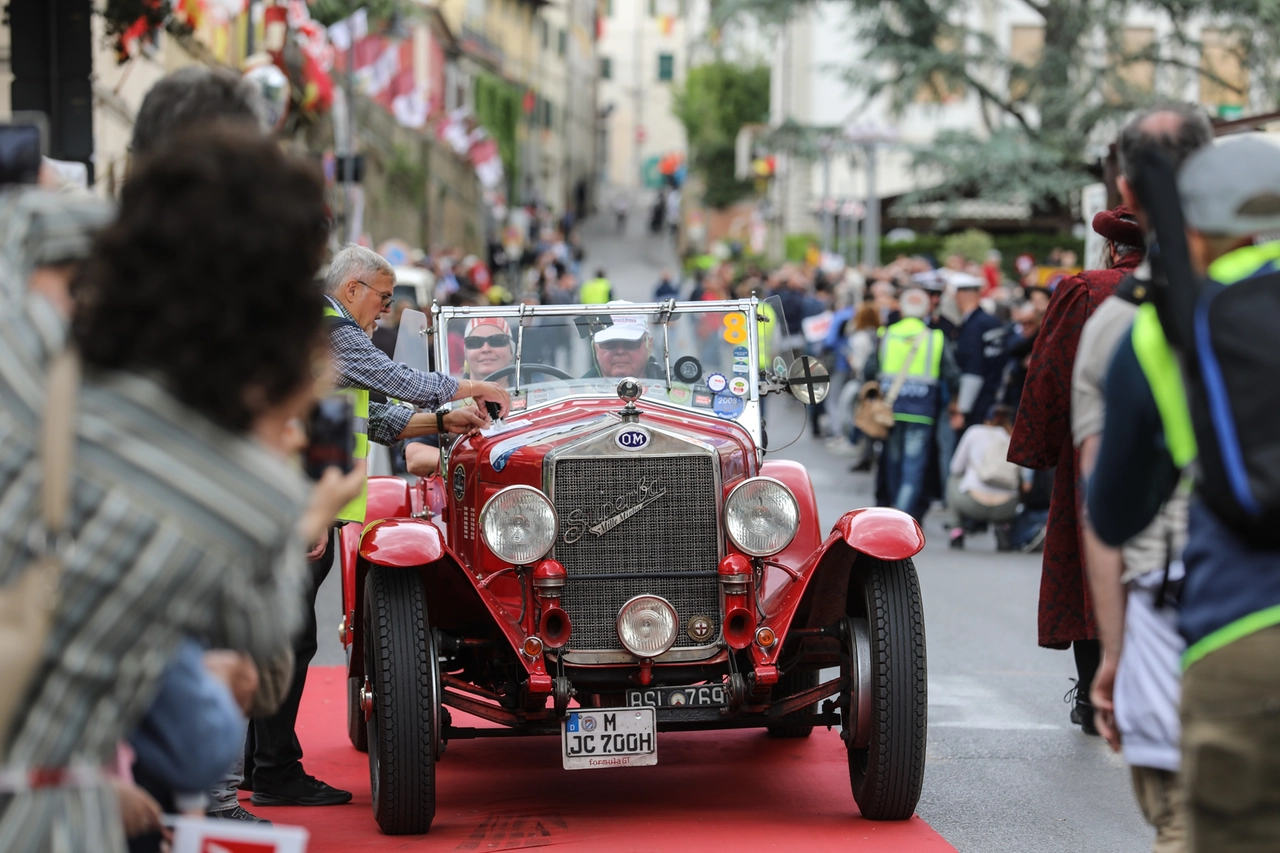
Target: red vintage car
619, 558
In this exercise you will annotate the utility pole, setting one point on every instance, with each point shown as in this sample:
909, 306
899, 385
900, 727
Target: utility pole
871, 219
637, 115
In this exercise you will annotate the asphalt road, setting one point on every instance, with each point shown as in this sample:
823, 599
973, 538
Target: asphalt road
1006, 771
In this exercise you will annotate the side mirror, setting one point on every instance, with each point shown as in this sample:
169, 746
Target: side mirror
807, 380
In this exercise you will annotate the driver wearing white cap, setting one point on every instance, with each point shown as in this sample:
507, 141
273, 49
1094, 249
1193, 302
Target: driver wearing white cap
624, 349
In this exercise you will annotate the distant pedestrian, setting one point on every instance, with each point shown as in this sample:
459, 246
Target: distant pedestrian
597, 291
666, 289
621, 206
917, 361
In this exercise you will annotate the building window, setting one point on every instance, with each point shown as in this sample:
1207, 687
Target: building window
547, 115
606, 68
546, 35
563, 43
943, 88
1224, 79
608, 8
666, 67
1133, 77
1026, 45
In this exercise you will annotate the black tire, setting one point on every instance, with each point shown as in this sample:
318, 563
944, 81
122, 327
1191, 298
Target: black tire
357, 730
399, 658
788, 685
886, 767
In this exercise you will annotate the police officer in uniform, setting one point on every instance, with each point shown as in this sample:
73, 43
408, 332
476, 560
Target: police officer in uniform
980, 354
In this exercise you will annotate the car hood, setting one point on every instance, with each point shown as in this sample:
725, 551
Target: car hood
515, 455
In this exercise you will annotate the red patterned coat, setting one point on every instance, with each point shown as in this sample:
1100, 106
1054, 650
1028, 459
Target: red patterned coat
1042, 440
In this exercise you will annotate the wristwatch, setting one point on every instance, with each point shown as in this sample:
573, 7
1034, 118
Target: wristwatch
440, 421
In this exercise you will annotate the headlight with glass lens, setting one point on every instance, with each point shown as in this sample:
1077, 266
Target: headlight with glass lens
647, 625
518, 524
761, 516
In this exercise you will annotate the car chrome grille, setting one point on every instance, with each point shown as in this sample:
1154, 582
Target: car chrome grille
668, 541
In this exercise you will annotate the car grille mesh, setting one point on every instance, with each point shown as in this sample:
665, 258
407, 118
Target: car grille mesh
676, 533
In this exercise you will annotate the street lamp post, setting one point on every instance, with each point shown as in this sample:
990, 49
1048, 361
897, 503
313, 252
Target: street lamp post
870, 136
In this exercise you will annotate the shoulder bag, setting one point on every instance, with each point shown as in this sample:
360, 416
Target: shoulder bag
874, 417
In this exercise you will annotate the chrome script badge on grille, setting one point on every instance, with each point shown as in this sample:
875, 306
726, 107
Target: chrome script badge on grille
649, 491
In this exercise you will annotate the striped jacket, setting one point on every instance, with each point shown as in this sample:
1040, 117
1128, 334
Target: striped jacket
180, 528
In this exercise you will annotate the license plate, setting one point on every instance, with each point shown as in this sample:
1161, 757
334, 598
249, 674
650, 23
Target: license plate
609, 737
698, 695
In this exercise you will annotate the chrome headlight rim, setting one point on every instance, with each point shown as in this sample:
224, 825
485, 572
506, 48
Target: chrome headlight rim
728, 509
488, 508
675, 621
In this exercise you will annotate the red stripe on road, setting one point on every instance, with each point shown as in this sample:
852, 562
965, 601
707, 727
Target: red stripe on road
710, 791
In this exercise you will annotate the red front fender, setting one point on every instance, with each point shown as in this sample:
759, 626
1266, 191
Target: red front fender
402, 543
885, 534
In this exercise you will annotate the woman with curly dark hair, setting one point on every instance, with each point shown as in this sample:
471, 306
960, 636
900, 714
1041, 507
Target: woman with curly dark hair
199, 327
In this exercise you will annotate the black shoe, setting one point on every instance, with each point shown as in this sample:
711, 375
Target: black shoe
1002, 538
1081, 710
303, 791
957, 538
239, 812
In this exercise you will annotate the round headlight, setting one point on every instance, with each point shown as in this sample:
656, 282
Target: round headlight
761, 516
647, 625
518, 524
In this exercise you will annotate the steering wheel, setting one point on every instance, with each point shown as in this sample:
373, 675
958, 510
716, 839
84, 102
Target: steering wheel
528, 366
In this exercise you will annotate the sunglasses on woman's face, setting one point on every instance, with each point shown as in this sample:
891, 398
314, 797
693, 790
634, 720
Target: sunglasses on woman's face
495, 341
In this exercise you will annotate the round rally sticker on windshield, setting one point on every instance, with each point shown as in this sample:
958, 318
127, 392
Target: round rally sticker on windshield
738, 386
716, 382
728, 406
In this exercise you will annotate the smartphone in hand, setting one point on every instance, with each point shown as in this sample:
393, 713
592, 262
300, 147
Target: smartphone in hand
330, 436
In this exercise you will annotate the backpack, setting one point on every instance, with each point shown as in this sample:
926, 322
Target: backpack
993, 466
1234, 397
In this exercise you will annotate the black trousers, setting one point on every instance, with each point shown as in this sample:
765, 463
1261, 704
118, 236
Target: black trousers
272, 754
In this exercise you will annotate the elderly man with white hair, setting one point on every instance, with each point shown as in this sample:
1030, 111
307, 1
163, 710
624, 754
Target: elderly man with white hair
913, 362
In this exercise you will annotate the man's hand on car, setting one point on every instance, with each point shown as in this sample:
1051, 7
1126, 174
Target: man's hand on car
486, 392
466, 420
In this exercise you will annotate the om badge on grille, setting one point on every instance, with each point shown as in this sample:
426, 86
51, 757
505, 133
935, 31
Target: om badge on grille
632, 438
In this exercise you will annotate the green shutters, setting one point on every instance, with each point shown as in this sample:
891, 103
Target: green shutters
666, 67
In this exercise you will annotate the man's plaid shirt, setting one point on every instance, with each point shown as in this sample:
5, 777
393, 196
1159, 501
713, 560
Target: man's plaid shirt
360, 364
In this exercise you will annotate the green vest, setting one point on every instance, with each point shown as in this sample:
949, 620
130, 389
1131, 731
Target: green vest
355, 510
1164, 376
918, 400
767, 323
1160, 366
595, 292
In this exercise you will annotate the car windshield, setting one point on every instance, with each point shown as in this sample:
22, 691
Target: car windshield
703, 356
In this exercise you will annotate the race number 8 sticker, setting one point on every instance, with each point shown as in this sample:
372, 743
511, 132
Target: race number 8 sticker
735, 328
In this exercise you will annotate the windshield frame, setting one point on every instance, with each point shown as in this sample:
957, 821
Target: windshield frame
517, 315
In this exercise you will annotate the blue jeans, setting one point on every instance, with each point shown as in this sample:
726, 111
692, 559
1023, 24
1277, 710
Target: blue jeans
906, 454
1026, 526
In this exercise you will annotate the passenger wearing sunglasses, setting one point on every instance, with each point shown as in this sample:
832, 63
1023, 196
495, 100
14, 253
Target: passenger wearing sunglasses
489, 348
624, 349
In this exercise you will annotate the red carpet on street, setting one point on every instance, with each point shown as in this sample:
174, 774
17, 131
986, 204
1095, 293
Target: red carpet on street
710, 791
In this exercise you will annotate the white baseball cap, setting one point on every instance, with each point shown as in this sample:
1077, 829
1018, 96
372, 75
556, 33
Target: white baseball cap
626, 327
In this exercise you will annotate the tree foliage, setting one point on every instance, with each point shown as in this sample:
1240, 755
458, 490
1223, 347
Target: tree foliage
330, 12
716, 101
1041, 116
